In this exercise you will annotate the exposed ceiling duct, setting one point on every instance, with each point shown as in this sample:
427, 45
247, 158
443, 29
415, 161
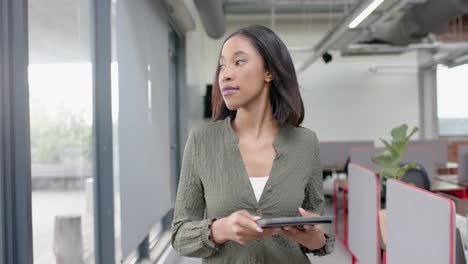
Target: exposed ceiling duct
391, 27
212, 12
341, 35
453, 54
368, 26
212, 16
420, 20
243, 7
179, 15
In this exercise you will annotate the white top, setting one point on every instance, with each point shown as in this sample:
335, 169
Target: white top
258, 184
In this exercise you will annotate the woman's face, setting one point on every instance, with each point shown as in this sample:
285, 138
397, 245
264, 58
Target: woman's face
242, 76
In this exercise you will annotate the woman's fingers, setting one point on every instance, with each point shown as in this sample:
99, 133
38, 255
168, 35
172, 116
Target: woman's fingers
306, 213
293, 230
249, 221
311, 237
249, 224
313, 228
292, 236
245, 228
272, 231
248, 215
244, 238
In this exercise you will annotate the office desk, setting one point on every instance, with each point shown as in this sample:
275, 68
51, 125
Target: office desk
443, 186
448, 168
383, 228
383, 234
452, 178
451, 185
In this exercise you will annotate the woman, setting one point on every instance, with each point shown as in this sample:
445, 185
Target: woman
254, 161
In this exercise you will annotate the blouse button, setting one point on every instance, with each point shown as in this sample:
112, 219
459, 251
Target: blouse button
269, 189
259, 211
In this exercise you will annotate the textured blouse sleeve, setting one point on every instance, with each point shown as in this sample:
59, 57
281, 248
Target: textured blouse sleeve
190, 231
314, 199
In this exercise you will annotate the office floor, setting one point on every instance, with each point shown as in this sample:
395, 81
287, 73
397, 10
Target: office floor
338, 256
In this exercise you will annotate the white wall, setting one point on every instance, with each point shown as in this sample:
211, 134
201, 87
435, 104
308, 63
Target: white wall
343, 99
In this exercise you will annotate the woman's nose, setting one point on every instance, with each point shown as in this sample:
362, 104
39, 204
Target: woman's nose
227, 74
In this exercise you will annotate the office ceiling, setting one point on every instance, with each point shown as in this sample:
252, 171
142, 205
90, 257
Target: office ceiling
394, 27
236, 7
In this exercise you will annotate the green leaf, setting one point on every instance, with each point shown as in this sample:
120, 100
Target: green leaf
389, 147
412, 133
391, 157
384, 159
399, 133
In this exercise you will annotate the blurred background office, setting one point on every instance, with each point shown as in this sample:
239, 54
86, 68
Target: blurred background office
97, 99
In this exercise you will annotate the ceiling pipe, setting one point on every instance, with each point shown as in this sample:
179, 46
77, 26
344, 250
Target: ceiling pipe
334, 34
179, 15
212, 16
286, 7
434, 16
419, 21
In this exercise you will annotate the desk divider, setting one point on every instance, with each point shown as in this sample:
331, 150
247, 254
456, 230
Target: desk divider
362, 157
421, 154
463, 162
333, 153
420, 226
439, 148
363, 216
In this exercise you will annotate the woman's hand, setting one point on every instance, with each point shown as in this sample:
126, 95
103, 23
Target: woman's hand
313, 236
241, 227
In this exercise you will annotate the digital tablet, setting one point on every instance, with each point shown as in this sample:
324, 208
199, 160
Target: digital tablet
295, 221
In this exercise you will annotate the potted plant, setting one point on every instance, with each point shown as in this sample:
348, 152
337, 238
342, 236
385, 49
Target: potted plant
390, 159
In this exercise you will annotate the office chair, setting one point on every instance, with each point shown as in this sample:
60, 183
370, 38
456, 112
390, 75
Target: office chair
417, 177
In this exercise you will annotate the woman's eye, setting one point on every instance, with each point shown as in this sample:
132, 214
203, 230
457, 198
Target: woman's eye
240, 62
221, 67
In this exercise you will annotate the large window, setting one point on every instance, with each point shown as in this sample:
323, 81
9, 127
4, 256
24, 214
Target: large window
452, 100
60, 88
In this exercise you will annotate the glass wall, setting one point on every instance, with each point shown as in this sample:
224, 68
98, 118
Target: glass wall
60, 83
144, 83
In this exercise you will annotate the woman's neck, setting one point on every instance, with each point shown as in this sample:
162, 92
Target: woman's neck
256, 121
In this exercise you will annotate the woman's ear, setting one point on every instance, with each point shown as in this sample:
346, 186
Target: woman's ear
268, 76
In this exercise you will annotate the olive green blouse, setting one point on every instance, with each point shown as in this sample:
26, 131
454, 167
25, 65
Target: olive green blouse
214, 184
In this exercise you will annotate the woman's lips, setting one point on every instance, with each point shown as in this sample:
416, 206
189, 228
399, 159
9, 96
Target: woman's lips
229, 90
